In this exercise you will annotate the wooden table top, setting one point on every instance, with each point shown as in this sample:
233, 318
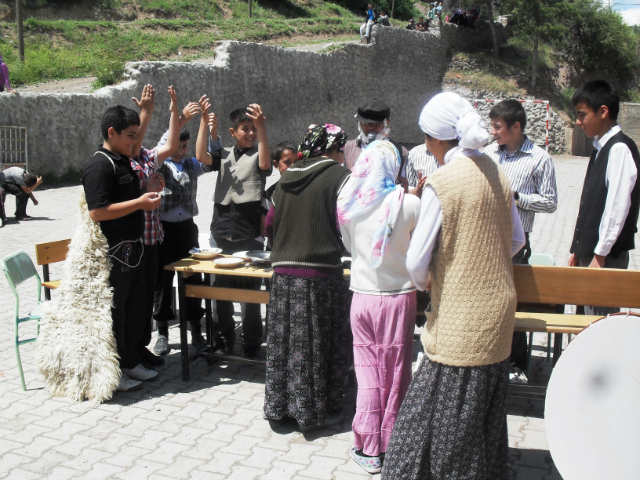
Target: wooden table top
191, 265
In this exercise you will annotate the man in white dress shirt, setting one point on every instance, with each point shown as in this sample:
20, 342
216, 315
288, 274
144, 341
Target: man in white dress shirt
608, 216
533, 181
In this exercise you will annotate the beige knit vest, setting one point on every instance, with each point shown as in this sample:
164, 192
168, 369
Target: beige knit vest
473, 297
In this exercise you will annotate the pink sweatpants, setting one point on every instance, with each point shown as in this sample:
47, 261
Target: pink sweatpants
382, 328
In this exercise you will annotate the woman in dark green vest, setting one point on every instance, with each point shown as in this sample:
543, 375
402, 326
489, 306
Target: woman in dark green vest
308, 343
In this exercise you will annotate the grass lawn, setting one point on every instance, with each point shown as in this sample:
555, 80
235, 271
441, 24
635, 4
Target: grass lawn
60, 49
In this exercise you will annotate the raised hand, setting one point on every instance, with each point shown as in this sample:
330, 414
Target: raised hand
147, 101
190, 110
205, 105
213, 125
173, 105
254, 112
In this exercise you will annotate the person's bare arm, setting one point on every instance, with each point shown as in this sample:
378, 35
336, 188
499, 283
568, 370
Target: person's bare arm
30, 189
264, 152
33, 199
173, 138
146, 104
148, 201
202, 142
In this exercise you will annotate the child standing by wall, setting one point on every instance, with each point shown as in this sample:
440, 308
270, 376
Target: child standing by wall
237, 209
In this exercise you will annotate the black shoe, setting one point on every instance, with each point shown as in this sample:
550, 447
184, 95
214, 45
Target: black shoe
3, 222
198, 341
224, 347
149, 359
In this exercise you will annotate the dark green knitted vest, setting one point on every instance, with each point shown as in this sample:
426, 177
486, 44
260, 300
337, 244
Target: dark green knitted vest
305, 229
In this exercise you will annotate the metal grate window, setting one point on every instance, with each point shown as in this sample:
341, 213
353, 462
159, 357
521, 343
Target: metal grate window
13, 147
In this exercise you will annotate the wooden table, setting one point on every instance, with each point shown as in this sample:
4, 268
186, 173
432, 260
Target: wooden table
190, 266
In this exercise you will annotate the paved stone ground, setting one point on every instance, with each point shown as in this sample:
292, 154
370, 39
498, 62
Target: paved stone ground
212, 427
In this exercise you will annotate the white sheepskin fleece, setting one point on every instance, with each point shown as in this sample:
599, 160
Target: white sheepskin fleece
77, 353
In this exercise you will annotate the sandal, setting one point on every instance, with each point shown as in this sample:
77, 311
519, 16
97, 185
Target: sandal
371, 465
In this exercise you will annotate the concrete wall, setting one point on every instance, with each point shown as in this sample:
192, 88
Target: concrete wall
295, 89
629, 120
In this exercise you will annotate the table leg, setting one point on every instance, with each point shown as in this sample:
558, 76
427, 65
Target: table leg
557, 347
208, 314
184, 344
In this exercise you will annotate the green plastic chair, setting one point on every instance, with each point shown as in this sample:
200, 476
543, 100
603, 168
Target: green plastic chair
543, 260
18, 268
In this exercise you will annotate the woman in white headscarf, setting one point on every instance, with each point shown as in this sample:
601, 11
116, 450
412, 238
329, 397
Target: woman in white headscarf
453, 422
376, 220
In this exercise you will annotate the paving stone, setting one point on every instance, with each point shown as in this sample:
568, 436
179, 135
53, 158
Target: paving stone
101, 471
204, 449
281, 470
63, 473
86, 459
201, 475
322, 468
222, 463
10, 461
141, 469
181, 467
241, 445
127, 456
114, 442
36, 448
76, 445
534, 439
245, 473
19, 474
165, 452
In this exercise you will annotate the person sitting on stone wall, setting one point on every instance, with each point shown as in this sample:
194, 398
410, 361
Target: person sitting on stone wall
421, 26
411, 25
4, 78
373, 123
383, 19
370, 19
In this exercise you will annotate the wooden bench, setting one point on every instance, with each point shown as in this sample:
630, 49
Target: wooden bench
46, 254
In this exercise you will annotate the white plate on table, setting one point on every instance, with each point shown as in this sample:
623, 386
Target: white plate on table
205, 253
242, 254
228, 262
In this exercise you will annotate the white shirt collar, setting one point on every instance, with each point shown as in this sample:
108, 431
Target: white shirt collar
599, 142
460, 152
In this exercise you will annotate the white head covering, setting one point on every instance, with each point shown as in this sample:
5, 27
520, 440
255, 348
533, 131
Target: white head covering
448, 116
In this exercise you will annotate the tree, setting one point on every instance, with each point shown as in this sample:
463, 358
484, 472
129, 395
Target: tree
599, 42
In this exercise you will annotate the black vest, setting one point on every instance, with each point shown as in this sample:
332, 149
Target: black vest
592, 203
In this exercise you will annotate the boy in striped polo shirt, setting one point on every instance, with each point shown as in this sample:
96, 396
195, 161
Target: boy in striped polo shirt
533, 180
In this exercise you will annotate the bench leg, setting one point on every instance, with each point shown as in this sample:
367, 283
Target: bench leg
184, 344
529, 352
557, 347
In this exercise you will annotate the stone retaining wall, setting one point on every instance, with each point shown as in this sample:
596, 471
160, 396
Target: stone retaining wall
465, 38
295, 89
536, 117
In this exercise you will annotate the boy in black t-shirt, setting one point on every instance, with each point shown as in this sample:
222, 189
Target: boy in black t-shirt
114, 199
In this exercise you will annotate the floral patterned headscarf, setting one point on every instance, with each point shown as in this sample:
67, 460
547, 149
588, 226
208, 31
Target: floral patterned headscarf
371, 186
321, 138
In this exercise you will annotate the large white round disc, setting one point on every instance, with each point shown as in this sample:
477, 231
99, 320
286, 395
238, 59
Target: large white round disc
592, 409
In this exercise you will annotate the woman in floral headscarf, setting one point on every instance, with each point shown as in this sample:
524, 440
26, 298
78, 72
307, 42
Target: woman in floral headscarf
376, 221
307, 342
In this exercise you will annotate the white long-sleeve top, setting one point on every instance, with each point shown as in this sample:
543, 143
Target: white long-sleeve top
391, 277
427, 232
620, 179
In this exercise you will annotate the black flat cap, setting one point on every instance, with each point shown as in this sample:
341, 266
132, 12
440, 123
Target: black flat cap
373, 110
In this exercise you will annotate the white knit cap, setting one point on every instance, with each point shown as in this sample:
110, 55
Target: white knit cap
448, 116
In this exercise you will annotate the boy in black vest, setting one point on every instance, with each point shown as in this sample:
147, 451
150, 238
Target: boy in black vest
114, 199
237, 210
608, 216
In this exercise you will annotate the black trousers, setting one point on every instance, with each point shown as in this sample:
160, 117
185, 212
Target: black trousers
21, 198
3, 196
519, 346
129, 301
179, 238
150, 266
251, 318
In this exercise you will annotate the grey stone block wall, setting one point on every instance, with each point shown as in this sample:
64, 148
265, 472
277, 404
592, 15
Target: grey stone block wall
295, 89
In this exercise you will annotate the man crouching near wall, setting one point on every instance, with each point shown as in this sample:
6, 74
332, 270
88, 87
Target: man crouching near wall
114, 199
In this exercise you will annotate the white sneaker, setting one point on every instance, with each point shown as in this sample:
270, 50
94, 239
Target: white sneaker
128, 384
517, 377
140, 373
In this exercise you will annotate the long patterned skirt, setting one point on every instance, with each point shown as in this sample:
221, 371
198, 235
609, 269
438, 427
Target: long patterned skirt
307, 348
452, 425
